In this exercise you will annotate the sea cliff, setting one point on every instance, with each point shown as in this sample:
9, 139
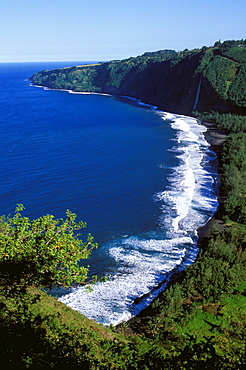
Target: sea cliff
207, 79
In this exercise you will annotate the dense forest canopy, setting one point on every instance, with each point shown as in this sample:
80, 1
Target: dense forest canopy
199, 321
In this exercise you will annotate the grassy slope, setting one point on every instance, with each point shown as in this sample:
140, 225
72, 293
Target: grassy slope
48, 334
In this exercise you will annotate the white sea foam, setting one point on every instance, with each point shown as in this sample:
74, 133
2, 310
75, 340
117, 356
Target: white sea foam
144, 261
185, 195
143, 264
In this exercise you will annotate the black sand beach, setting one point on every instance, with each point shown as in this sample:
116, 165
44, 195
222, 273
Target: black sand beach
216, 139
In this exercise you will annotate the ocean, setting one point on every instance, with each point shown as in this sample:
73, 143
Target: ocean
144, 181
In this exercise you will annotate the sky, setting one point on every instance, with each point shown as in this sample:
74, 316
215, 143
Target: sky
102, 30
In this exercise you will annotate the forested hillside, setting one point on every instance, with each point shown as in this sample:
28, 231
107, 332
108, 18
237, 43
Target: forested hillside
199, 321
211, 78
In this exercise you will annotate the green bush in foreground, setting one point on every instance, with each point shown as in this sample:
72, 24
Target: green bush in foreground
37, 331
42, 252
35, 254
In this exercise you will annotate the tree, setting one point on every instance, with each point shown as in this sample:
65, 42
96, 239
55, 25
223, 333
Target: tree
43, 252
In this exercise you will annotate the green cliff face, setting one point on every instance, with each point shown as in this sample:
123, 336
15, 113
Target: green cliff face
207, 79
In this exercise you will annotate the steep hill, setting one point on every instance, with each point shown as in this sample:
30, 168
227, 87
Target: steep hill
207, 79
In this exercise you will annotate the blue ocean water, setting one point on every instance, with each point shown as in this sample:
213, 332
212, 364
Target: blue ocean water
142, 179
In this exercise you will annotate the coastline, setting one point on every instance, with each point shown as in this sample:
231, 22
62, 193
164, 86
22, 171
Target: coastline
216, 139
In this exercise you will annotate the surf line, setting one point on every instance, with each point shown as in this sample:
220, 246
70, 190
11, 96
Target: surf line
177, 272
137, 304
131, 291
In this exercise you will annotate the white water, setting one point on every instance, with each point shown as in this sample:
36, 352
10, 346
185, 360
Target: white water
143, 261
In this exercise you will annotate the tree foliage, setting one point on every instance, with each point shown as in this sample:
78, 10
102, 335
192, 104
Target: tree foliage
220, 72
42, 252
234, 184
227, 122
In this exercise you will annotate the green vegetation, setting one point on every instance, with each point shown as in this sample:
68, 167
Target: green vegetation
228, 122
221, 72
235, 177
166, 78
199, 321
196, 323
43, 252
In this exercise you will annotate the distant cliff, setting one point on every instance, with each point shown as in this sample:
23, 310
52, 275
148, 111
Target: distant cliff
207, 79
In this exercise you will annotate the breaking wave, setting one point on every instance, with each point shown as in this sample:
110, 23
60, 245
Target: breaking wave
143, 263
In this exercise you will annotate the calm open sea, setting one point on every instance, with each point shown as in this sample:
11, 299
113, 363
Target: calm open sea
142, 179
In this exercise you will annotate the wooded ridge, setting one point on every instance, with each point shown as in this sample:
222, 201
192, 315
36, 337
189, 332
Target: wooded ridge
207, 79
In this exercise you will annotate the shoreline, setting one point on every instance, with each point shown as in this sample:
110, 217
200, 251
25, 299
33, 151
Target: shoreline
216, 139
